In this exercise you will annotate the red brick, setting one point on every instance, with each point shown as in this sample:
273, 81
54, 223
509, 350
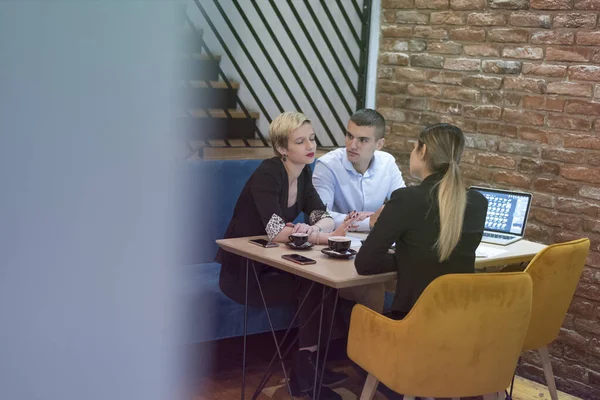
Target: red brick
467, 34
523, 149
525, 84
552, 4
426, 61
393, 87
412, 17
432, 4
537, 167
462, 64
482, 112
542, 200
587, 4
385, 72
568, 54
581, 308
568, 156
582, 141
391, 114
428, 32
597, 92
495, 160
424, 90
528, 19
533, 135
409, 74
385, 100
529, 53
504, 35
463, 5
495, 128
574, 20
557, 187
553, 71
596, 57
409, 103
466, 125
388, 17
574, 206
482, 50
579, 173
563, 122
445, 107
591, 226
572, 338
397, 3
591, 292
444, 47
483, 82
537, 233
446, 77
512, 179
501, 67
509, 4
523, 117
543, 103
597, 125
477, 142
594, 160
463, 94
394, 31
584, 72
393, 59
553, 218
447, 18
582, 107
588, 38
570, 89
486, 19
566, 236
469, 156
552, 37
475, 172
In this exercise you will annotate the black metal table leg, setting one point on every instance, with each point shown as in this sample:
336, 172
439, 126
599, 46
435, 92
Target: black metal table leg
287, 381
319, 345
336, 296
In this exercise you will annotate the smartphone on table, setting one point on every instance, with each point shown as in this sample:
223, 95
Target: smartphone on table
298, 259
263, 243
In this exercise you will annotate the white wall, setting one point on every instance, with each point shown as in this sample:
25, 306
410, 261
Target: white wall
293, 55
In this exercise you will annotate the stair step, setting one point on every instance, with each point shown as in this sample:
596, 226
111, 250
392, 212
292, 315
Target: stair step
220, 113
201, 84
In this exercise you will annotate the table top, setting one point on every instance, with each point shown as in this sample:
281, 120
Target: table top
340, 273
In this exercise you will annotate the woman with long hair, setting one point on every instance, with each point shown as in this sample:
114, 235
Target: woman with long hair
436, 225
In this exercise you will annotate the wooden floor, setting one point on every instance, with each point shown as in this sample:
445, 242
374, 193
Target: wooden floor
216, 371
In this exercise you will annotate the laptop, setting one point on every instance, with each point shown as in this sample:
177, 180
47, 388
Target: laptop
506, 215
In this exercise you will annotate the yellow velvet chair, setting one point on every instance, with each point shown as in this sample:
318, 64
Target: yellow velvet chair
462, 338
555, 272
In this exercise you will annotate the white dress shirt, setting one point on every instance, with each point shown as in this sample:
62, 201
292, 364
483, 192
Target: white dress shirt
343, 189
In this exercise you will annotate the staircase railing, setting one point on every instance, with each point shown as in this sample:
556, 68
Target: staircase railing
340, 84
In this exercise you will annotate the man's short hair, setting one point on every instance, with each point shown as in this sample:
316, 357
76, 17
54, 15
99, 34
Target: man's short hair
370, 117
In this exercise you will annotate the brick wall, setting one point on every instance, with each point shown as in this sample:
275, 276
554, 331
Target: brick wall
522, 79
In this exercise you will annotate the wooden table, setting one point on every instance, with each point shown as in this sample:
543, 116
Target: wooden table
341, 273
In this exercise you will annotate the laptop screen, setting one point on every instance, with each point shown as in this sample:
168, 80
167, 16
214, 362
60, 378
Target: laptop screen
507, 211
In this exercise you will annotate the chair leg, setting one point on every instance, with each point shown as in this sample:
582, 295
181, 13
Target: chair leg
548, 374
370, 388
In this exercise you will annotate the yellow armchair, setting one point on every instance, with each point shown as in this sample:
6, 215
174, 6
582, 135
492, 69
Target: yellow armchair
462, 338
555, 272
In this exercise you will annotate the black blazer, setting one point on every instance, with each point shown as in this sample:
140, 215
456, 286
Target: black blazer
411, 218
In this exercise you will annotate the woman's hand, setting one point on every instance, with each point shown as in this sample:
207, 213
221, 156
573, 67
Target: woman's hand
343, 228
299, 227
374, 217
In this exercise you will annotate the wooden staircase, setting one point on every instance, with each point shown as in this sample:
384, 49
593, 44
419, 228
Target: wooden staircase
210, 123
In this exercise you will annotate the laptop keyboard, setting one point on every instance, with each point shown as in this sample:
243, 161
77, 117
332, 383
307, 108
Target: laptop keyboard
497, 235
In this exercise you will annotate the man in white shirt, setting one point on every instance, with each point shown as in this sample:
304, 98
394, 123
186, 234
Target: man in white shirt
359, 178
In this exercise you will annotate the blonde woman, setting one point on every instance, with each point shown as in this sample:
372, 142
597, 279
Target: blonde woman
436, 225
276, 193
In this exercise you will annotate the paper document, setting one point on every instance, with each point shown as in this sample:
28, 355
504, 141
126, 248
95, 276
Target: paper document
484, 251
356, 242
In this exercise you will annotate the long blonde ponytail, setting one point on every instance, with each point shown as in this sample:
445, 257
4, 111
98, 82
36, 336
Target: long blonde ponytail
445, 144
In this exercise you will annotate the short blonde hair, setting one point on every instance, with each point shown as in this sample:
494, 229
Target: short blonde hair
282, 126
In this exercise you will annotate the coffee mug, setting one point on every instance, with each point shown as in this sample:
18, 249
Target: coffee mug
339, 243
298, 238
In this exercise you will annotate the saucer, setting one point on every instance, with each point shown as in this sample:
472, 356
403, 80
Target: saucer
305, 246
334, 254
